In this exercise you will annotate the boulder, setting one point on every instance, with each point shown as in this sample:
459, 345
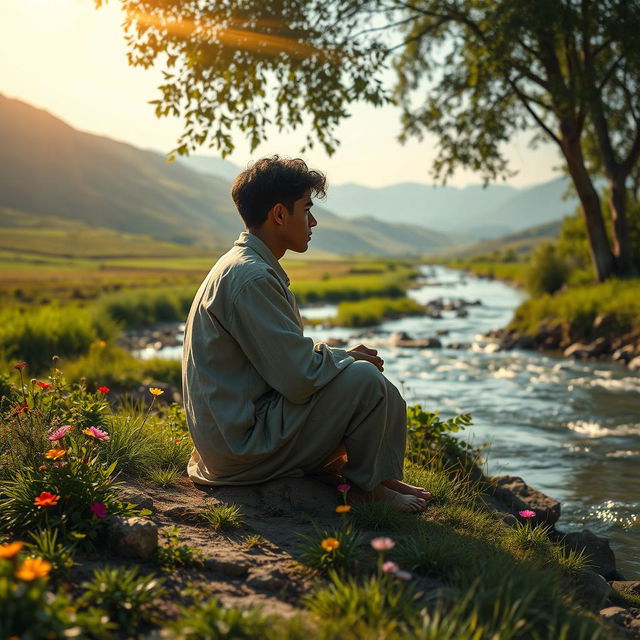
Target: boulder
515, 495
634, 364
627, 586
591, 589
578, 350
600, 555
132, 537
624, 354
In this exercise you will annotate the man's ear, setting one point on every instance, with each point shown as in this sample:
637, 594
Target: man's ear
278, 213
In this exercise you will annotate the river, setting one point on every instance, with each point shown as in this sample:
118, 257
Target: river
570, 429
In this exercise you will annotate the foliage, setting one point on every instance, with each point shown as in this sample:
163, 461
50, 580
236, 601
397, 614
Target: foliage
548, 271
372, 311
222, 516
45, 545
123, 594
616, 300
340, 553
173, 554
428, 434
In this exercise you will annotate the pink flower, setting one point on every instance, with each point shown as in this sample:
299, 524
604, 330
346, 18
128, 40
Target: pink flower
383, 544
96, 433
390, 567
59, 433
98, 509
343, 487
527, 513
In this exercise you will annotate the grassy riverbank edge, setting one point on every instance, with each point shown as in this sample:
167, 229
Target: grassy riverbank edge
468, 572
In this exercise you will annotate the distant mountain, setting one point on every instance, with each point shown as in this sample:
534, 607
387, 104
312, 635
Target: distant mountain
212, 166
53, 172
464, 214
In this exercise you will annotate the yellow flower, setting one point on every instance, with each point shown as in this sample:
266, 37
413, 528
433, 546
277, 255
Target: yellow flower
330, 544
154, 391
343, 508
32, 569
10, 549
54, 454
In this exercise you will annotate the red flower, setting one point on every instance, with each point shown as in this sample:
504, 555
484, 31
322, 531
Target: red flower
104, 389
99, 510
43, 385
46, 499
20, 366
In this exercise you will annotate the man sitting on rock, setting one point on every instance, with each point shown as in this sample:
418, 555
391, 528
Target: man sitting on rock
262, 401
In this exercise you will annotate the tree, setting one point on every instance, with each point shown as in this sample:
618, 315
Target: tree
471, 71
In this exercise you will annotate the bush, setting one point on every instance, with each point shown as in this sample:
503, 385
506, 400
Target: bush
548, 270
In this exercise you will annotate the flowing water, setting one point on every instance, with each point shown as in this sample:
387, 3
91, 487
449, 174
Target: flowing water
570, 429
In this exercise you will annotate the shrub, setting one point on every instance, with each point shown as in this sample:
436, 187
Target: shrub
548, 270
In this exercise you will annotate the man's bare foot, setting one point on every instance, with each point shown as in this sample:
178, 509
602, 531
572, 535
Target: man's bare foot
401, 501
407, 489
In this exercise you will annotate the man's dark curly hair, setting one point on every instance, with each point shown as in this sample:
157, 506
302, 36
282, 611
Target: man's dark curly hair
269, 181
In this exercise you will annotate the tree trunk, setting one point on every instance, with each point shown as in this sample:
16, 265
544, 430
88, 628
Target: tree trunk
601, 255
622, 250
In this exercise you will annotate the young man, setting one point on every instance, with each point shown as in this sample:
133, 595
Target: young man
262, 401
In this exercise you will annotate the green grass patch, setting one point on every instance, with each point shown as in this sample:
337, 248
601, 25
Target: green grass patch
515, 272
373, 311
616, 300
222, 517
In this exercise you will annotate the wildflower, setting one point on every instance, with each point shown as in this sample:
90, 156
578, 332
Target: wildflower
54, 454
177, 440
383, 544
154, 391
96, 433
104, 389
20, 366
42, 467
98, 509
10, 549
60, 463
343, 508
343, 487
43, 385
390, 567
330, 544
46, 499
101, 344
32, 569
59, 433
527, 513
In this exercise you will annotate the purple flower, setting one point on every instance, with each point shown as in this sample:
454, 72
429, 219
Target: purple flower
58, 434
343, 487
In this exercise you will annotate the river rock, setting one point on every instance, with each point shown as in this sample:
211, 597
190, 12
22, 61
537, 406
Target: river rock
132, 537
627, 586
634, 364
592, 589
578, 350
516, 495
600, 555
624, 354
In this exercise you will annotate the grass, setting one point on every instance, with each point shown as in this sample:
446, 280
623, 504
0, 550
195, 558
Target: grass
373, 311
513, 272
223, 517
616, 300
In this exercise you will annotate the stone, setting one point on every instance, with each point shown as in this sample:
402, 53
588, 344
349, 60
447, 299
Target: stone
600, 555
133, 537
592, 589
634, 365
612, 612
516, 495
577, 350
137, 498
624, 354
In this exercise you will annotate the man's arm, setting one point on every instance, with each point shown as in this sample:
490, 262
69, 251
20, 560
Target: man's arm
266, 328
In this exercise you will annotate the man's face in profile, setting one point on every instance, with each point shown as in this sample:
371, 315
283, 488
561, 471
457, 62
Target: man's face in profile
297, 229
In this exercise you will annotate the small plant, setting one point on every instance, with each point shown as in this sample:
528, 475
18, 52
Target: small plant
223, 516
173, 554
165, 477
45, 545
374, 602
326, 550
254, 540
123, 594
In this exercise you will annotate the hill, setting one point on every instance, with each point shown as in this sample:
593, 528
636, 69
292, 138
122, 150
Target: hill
54, 172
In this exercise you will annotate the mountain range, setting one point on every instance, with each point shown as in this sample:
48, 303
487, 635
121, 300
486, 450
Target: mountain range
53, 172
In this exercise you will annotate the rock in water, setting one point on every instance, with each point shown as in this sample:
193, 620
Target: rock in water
516, 495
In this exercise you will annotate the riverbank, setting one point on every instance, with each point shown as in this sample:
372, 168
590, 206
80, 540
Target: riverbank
158, 555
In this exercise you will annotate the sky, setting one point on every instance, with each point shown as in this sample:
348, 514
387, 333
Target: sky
69, 58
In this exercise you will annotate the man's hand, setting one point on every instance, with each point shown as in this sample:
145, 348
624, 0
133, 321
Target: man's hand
360, 352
